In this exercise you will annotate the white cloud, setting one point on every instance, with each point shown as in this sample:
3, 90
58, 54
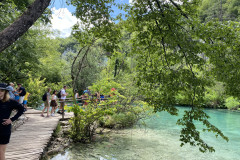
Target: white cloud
63, 21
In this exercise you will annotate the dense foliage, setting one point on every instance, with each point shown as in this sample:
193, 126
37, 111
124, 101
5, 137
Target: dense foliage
162, 52
114, 111
223, 10
176, 55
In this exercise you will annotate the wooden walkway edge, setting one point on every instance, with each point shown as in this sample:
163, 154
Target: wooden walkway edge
30, 139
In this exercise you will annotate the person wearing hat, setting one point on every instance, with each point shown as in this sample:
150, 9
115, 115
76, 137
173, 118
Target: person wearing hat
6, 107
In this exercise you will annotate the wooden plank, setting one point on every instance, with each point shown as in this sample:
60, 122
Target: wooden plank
30, 139
36, 156
12, 153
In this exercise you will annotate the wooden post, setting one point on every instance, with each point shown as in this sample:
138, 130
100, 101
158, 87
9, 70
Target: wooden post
63, 113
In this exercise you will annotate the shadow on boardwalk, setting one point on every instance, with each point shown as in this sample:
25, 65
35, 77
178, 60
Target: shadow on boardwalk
30, 139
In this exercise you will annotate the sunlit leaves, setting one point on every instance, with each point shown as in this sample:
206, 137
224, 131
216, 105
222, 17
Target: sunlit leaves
175, 53
172, 47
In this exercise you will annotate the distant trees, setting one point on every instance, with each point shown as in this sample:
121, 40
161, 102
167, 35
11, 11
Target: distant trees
223, 10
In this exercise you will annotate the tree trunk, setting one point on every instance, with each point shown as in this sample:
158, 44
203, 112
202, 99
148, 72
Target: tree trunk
10, 34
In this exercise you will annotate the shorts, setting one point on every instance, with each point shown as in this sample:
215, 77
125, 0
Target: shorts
16, 97
25, 102
4, 139
21, 99
46, 104
53, 103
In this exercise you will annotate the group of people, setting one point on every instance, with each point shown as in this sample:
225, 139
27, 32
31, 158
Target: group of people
51, 101
98, 96
19, 94
7, 105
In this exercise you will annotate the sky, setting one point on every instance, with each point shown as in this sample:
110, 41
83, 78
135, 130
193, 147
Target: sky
62, 18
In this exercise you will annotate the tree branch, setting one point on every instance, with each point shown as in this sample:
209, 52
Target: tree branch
74, 61
10, 34
178, 8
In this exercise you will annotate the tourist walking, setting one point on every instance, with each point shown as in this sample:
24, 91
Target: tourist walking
63, 98
6, 107
46, 99
22, 92
54, 103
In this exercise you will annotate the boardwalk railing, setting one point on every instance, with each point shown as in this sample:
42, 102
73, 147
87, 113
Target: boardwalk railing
77, 101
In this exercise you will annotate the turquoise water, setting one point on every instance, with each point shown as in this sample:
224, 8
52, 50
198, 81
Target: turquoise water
159, 140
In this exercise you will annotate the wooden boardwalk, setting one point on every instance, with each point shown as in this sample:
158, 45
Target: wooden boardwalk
30, 139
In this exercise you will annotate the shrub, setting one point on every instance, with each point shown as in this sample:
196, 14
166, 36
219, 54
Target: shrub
36, 88
115, 112
84, 123
214, 96
232, 103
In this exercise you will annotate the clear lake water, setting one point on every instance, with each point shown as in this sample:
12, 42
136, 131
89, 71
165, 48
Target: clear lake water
159, 140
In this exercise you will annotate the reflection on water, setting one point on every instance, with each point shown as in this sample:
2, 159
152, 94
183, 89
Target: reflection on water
160, 140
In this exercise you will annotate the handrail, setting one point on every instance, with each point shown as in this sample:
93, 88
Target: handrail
67, 100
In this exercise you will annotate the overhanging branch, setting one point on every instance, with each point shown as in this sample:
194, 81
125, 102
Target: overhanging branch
10, 34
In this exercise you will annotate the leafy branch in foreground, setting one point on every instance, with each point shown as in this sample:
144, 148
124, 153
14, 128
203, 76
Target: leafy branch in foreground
174, 58
175, 54
189, 132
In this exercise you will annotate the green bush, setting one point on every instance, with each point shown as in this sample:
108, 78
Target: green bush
36, 88
232, 103
115, 112
85, 121
214, 96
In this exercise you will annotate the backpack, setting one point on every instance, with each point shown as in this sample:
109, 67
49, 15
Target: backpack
59, 94
44, 97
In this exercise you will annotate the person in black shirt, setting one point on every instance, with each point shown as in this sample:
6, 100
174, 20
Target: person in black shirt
6, 107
